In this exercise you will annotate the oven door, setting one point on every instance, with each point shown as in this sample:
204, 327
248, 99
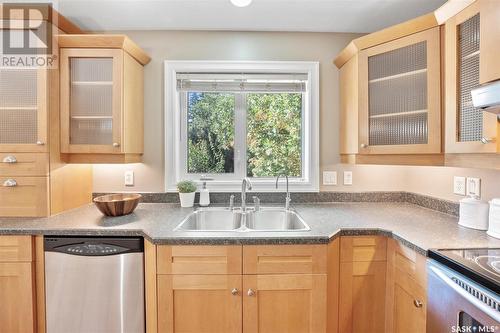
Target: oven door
457, 304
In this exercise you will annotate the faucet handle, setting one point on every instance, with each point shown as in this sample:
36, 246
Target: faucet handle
231, 202
256, 202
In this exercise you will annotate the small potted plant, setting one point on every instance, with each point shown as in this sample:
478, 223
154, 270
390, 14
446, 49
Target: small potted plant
187, 191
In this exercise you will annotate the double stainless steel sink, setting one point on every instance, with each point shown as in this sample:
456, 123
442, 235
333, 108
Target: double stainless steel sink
226, 219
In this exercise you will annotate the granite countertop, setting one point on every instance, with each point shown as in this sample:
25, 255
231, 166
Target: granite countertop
419, 228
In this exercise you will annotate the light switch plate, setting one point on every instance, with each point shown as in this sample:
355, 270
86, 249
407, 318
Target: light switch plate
347, 177
329, 177
129, 178
474, 186
459, 185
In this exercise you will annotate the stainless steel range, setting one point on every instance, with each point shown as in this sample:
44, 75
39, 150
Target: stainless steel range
463, 291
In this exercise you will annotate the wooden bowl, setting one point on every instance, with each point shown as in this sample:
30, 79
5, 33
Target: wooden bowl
117, 204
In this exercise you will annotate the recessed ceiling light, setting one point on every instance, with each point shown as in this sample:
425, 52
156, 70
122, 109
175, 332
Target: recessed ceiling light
241, 3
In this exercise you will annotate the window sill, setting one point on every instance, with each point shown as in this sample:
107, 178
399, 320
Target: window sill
257, 186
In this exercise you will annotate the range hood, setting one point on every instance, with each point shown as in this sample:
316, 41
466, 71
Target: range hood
487, 97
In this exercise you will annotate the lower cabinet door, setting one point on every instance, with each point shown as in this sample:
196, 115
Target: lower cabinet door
409, 305
17, 298
199, 303
362, 297
284, 303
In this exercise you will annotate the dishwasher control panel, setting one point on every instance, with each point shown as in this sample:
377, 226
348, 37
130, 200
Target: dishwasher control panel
94, 246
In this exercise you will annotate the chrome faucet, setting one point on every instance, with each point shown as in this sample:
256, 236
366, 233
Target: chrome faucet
288, 199
245, 185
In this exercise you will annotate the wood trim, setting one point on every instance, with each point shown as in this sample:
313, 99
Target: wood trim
199, 259
289, 259
396, 159
363, 248
431, 36
133, 106
60, 21
392, 33
150, 287
102, 158
489, 65
450, 9
333, 284
107, 41
16, 249
40, 284
348, 76
477, 161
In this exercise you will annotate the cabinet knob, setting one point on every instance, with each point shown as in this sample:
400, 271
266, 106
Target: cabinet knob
487, 140
363, 145
234, 292
116, 144
417, 303
9, 159
250, 292
40, 143
10, 183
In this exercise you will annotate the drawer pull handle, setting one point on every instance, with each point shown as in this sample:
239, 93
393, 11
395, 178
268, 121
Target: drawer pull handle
9, 159
234, 292
417, 303
251, 292
10, 183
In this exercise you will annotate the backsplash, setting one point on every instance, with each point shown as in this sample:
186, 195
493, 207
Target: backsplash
440, 205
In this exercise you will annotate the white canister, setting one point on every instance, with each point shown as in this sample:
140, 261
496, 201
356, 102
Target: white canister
474, 213
494, 228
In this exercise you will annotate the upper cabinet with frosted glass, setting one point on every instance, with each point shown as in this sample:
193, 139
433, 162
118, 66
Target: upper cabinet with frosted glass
472, 38
390, 90
102, 98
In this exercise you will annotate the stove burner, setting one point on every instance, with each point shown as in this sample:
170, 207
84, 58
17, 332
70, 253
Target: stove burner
489, 263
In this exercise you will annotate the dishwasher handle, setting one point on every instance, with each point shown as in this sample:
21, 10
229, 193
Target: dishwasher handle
94, 246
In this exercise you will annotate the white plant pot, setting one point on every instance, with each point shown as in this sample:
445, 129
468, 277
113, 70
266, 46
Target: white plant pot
187, 199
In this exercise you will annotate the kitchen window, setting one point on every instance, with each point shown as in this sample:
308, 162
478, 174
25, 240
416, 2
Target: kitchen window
230, 120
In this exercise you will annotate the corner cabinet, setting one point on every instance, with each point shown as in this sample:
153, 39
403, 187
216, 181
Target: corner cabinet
399, 96
102, 99
471, 46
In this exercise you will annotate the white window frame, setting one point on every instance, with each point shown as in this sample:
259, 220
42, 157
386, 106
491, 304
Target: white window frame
174, 166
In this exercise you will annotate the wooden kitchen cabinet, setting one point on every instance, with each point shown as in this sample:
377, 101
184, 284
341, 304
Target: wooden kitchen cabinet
362, 284
199, 303
284, 303
399, 96
406, 291
102, 99
17, 285
471, 47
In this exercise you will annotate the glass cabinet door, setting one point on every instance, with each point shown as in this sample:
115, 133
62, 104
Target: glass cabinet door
23, 110
399, 100
90, 100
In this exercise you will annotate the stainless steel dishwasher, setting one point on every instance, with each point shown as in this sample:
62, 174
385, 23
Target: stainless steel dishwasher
94, 284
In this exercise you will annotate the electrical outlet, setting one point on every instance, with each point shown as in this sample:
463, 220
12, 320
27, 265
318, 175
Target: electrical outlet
347, 177
129, 178
459, 185
329, 177
474, 186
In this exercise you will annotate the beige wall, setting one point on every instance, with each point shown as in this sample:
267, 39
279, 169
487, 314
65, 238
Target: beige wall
322, 47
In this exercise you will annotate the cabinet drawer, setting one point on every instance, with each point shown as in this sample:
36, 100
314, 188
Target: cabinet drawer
363, 248
184, 259
26, 196
408, 262
15, 248
292, 259
24, 164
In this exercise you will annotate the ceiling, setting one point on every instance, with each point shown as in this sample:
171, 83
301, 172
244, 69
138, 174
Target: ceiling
262, 15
